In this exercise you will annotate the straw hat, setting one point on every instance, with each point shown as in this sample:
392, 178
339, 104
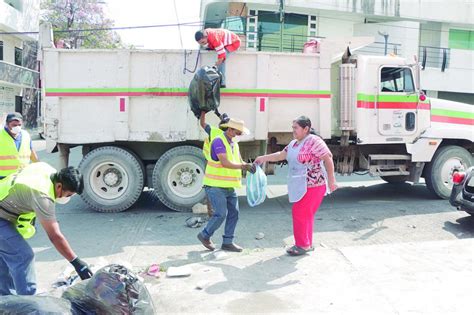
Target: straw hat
237, 125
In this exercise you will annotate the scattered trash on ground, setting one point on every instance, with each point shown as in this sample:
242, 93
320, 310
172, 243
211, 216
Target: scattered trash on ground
153, 270
19, 304
67, 278
182, 271
353, 219
412, 226
113, 289
199, 208
201, 285
194, 222
259, 236
323, 245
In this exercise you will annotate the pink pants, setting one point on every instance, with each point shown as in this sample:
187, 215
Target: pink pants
303, 215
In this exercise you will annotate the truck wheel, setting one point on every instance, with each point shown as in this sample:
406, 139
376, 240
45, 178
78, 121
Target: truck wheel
113, 179
178, 177
439, 172
397, 179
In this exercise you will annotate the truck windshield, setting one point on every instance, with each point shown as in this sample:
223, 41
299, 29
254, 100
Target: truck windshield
396, 80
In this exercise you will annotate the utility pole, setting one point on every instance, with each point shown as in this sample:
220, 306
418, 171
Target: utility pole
282, 21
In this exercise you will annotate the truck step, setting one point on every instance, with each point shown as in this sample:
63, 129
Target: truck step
378, 157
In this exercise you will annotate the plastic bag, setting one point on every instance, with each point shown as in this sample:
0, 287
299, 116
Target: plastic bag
204, 90
256, 187
312, 46
113, 289
23, 304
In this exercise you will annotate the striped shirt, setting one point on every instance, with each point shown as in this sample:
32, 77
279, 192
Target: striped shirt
311, 153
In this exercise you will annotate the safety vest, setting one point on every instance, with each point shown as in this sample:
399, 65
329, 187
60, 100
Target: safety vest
206, 148
11, 159
221, 40
218, 176
37, 176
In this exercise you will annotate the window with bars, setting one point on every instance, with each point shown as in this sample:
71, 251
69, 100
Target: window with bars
289, 36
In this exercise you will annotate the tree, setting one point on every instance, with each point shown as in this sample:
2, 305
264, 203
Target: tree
68, 16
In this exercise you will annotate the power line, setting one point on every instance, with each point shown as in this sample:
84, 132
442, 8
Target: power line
201, 23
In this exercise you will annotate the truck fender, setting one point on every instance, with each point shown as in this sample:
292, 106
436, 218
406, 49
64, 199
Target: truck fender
423, 149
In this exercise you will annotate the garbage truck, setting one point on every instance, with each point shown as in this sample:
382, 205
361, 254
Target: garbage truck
128, 110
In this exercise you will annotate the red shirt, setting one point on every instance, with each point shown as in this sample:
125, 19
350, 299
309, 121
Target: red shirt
221, 40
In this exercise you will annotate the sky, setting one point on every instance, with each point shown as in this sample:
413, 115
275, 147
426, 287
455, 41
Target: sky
154, 12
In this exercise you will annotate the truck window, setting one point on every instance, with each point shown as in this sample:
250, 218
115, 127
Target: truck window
396, 80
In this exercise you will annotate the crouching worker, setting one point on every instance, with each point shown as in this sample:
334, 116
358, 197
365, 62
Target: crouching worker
223, 175
25, 196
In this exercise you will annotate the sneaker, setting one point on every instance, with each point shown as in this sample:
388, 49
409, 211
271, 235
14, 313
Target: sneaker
207, 243
232, 247
223, 86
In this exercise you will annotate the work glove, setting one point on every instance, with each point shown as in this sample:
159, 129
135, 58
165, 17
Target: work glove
82, 268
224, 118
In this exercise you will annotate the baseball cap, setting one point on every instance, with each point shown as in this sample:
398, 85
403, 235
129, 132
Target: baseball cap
14, 116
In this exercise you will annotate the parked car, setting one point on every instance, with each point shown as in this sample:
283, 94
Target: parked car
462, 194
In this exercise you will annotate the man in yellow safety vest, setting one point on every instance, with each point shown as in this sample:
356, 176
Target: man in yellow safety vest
24, 196
223, 174
16, 149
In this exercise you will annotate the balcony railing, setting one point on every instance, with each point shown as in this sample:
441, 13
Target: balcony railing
18, 76
380, 49
434, 57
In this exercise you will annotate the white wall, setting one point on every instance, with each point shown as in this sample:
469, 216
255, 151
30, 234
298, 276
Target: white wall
329, 27
24, 20
9, 44
405, 33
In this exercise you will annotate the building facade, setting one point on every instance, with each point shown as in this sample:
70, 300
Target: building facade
19, 77
440, 33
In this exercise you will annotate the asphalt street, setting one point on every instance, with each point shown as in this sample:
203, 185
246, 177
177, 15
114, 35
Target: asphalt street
380, 249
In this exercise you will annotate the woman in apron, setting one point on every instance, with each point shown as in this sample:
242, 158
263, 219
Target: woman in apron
310, 178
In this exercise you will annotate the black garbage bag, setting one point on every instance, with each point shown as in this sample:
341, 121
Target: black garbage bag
204, 90
113, 289
33, 305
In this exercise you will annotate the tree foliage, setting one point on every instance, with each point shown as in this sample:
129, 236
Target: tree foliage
73, 15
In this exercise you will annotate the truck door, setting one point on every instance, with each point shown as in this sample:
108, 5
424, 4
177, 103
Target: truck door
396, 102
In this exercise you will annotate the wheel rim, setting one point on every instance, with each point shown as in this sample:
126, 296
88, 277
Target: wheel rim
185, 179
451, 165
109, 180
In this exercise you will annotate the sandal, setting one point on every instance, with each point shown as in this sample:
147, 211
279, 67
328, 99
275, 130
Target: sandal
297, 251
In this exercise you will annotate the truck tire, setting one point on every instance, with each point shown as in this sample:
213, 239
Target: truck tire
397, 179
178, 176
439, 171
113, 179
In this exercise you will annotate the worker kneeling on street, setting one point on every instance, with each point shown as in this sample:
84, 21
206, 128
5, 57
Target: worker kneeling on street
223, 174
24, 196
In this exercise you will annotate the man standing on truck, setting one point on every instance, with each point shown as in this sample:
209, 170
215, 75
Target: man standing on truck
25, 195
223, 42
223, 175
16, 150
